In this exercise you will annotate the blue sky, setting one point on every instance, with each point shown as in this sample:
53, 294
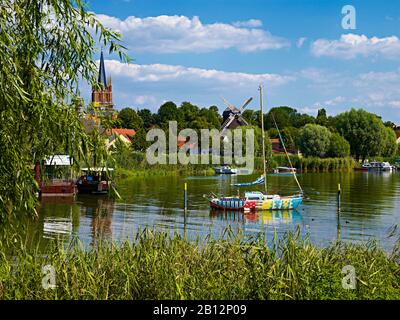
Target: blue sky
198, 51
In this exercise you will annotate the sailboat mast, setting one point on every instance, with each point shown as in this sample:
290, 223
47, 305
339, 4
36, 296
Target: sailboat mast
263, 137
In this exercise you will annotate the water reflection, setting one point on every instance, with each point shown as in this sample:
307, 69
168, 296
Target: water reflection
99, 210
370, 205
273, 218
54, 227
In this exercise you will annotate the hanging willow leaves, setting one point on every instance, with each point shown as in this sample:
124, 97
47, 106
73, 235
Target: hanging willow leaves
46, 50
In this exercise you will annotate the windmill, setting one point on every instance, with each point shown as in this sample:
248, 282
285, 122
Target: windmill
233, 117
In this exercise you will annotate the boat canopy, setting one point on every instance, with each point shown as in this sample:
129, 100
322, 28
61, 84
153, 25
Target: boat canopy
255, 195
59, 160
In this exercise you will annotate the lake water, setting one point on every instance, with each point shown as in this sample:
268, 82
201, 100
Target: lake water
370, 205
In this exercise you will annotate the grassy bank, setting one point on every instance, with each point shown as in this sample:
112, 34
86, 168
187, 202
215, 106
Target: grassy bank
158, 266
135, 165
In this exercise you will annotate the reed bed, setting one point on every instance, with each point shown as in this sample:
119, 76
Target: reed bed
160, 266
314, 164
136, 165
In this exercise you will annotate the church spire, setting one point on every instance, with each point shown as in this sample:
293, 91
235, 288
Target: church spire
102, 80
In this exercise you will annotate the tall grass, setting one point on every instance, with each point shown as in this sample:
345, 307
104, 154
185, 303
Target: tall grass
158, 266
136, 164
314, 164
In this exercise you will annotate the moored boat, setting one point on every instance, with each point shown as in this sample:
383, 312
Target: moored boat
257, 200
52, 184
377, 166
94, 181
284, 170
227, 203
274, 201
225, 170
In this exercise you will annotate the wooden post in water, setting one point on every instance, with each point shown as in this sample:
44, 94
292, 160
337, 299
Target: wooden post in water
184, 209
185, 198
338, 212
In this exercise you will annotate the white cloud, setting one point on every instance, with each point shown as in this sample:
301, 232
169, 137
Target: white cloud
150, 85
161, 72
310, 110
350, 46
395, 104
144, 100
300, 42
335, 101
251, 23
176, 34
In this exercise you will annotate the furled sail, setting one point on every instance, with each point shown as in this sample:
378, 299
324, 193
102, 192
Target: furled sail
260, 180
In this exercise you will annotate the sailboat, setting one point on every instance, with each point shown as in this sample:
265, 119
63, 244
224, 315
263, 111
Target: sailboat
257, 200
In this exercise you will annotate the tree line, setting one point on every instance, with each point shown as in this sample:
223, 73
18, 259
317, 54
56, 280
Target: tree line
356, 133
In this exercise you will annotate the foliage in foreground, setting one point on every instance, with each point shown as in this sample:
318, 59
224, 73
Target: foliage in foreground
158, 266
46, 50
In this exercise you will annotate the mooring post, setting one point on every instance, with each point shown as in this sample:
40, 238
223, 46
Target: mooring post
185, 198
338, 198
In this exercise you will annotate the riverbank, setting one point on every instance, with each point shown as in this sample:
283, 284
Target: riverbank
136, 165
158, 266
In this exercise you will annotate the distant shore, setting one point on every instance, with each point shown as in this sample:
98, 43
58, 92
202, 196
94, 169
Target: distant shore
137, 166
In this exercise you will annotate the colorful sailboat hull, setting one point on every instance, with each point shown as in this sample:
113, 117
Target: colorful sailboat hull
284, 203
243, 204
228, 203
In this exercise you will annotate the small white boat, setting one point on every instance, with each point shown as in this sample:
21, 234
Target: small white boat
225, 170
378, 166
284, 170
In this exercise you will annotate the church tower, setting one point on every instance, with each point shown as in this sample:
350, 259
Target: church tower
102, 96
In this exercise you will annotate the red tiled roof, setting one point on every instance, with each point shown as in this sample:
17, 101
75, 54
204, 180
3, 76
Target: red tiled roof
125, 132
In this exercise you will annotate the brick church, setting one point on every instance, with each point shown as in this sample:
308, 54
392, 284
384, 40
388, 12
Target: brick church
102, 95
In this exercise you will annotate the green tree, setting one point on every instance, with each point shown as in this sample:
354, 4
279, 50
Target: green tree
339, 146
212, 118
189, 112
130, 119
363, 130
390, 124
170, 112
283, 116
273, 133
46, 49
314, 140
138, 141
147, 117
389, 145
289, 136
286, 117
257, 141
322, 119
250, 116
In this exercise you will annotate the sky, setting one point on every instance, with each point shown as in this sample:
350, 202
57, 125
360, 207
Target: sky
200, 50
